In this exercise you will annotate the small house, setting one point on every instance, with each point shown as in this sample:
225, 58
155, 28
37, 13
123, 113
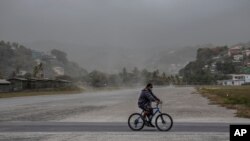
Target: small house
35, 83
18, 84
5, 86
234, 50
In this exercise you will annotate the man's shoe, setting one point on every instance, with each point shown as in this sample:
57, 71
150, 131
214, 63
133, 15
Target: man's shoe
147, 123
151, 125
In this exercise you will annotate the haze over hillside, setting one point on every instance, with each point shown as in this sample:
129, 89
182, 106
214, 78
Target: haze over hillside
111, 34
112, 59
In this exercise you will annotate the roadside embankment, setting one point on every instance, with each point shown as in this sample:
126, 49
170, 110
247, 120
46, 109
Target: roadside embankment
232, 97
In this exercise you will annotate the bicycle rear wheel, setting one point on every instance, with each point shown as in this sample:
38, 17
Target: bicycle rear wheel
164, 122
135, 122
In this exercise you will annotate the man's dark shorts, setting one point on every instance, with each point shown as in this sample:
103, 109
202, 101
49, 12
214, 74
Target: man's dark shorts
146, 108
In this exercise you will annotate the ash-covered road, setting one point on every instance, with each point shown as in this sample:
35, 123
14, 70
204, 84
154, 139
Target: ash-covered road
74, 117
105, 127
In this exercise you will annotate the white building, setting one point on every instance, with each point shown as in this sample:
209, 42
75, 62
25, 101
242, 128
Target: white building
238, 58
247, 78
246, 52
237, 80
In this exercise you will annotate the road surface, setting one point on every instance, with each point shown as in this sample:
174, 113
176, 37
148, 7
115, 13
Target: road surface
104, 127
103, 116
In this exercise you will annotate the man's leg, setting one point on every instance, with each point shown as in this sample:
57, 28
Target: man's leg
150, 116
148, 113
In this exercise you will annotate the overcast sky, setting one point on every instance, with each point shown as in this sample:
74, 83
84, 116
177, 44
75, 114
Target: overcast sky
126, 23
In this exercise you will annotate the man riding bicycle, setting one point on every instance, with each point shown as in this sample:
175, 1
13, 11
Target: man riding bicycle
145, 100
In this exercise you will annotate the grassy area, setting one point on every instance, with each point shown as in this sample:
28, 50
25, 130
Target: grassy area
233, 97
71, 90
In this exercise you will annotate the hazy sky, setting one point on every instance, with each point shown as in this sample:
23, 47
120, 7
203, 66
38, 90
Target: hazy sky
126, 23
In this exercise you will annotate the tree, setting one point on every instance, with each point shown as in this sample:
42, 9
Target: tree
145, 76
38, 71
226, 67
124, 76
13, 74
97, 79
156, 74
163, 75
164, 78
28, 75
136, 74
114, 80
60, 55
14, 44
177, 79
144, 73
1, 75
2, 43
18, 69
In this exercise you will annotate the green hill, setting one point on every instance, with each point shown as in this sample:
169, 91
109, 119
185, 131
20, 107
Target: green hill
215, 63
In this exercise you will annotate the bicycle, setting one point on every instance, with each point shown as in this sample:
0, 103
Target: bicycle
163, 121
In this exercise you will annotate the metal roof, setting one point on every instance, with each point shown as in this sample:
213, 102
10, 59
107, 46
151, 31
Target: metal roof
3, 81
18, 78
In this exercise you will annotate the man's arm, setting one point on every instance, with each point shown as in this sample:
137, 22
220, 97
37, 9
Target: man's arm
155, 97
151, 97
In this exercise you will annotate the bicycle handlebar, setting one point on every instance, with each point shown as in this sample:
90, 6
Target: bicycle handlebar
157, 104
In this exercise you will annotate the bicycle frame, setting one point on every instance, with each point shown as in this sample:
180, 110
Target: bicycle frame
156, 111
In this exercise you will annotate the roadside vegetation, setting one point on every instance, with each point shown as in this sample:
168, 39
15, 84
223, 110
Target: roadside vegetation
69, 90
232, 97
58, 91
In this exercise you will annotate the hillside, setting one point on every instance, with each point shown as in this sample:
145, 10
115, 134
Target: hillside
217, 63
113, 59
17, 59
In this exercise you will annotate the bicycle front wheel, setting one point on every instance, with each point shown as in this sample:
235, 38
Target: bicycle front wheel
135, 122
164, 122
